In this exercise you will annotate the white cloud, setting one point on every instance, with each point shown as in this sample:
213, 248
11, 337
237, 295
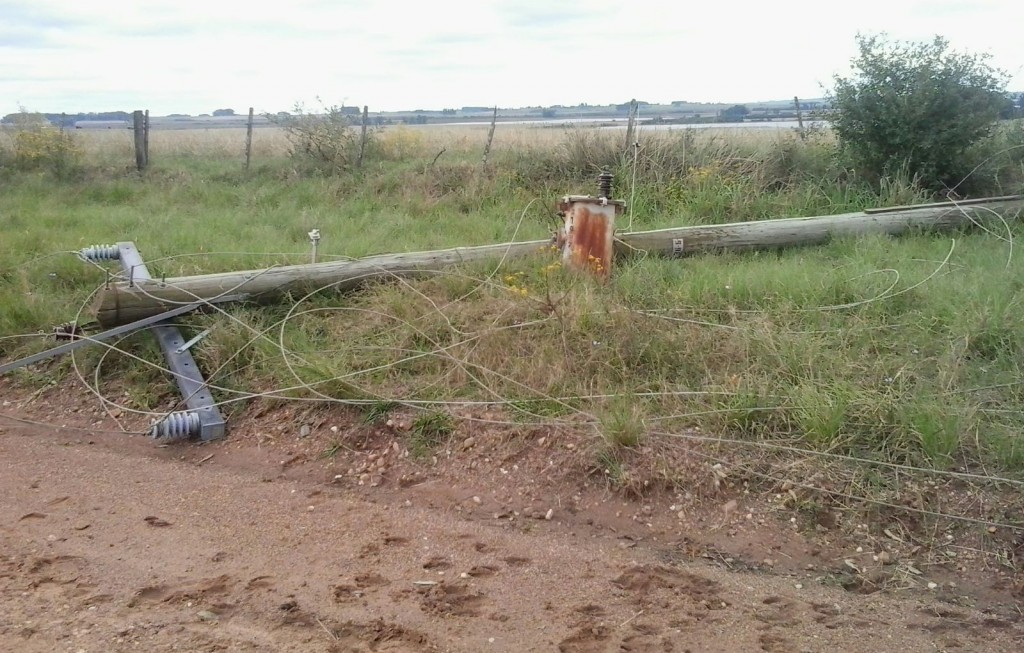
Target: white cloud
187, 56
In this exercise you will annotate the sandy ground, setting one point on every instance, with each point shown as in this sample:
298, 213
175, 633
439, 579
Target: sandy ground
111, 543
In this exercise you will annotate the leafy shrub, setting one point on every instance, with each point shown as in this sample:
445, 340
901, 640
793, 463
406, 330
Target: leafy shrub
916, 109
326, 142
37, 145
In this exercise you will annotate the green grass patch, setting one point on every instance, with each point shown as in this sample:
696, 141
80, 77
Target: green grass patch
430, 431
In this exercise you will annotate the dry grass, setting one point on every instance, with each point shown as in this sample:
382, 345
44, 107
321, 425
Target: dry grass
406, 142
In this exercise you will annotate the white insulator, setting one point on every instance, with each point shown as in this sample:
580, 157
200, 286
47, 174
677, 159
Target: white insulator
100, 253
177, 426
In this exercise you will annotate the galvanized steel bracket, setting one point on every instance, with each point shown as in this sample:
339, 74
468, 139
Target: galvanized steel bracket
205, 420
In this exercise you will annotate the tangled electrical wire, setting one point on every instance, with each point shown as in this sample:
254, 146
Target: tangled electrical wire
275, 336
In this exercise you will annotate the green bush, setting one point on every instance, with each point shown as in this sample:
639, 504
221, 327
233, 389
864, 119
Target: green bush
916, 109
326, 142
34, 144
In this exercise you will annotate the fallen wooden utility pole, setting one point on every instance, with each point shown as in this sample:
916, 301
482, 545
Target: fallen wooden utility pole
789, 232
130, 301
120, 302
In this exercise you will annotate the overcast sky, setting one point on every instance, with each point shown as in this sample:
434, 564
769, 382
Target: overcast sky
190, 56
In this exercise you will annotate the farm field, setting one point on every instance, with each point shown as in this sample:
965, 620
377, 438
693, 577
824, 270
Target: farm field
809, 449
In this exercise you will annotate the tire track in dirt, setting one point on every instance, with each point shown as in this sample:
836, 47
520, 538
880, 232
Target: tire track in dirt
252, 562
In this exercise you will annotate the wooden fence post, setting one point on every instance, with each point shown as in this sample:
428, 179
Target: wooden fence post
490, 135
799, 115
362, 138
145, 139
248, 141
139, 129
630, 124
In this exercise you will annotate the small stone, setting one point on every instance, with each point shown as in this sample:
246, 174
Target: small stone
539, 442
860, 549
477, 500
390, 423
206, 615
884, 557
311, 508
549, 514
992, 530
490, 640
468, 443
334, 429
799, 586
463, 575
364, 479
932, 586
51, 538
305, 431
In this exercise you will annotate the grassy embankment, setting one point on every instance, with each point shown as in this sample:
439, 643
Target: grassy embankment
905, 350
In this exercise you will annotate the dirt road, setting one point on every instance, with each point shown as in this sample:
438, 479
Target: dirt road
109, 543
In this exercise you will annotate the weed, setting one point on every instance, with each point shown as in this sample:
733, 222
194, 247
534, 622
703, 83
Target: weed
378, 411
332, 450
430, 431
622, 423
611, 466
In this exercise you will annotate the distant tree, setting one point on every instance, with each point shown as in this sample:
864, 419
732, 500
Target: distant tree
224, 112
548, 113
735, 112
26, 119
916, 108
1011, 109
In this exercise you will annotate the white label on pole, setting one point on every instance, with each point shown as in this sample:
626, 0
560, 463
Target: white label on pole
677, 247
